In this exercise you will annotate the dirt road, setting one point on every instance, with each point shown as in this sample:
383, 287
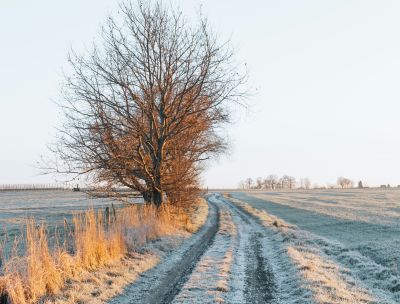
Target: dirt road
267, 249
230, 260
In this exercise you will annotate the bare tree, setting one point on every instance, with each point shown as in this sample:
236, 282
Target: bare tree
305, 183
292, 182
344, 182
288, 182
350, 183
242, 185
144, 109
259, 183
341, 182
249, 183
271, 181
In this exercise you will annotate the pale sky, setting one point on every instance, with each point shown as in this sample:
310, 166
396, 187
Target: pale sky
327, 75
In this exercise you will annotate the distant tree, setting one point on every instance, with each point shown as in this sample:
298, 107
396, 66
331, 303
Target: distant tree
242, 185
341, 182
259, 183
281, 183
288, 182
292, 182
305, 183
265, 183
344, 182
249, 183
301, 183
271, 181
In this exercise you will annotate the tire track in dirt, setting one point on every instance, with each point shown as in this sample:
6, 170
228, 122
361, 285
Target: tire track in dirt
274, 279
162, 283
209, 282
247, 278
260, 284
226, 261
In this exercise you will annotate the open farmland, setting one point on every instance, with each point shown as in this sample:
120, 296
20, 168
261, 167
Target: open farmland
49, 206
358, 230
315, 246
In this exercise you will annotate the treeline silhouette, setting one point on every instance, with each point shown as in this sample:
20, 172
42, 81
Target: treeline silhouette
275, 182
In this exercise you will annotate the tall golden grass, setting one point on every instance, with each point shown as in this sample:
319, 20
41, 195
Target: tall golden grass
96, 238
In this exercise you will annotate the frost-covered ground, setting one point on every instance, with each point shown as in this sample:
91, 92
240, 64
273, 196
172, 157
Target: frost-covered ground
319, 246
353, 231
209, 282
246, 263
50, 207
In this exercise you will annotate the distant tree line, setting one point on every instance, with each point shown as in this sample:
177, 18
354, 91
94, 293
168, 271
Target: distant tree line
273, 182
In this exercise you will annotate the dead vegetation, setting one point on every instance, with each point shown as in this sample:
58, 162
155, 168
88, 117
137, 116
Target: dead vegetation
94, 243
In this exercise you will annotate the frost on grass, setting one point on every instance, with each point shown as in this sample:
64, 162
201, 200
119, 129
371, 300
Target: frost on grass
100, 285
357, 229
327, 280
209, 282
198, 216
367, 205
104, 261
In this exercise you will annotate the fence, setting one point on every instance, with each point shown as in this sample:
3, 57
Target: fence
26, 187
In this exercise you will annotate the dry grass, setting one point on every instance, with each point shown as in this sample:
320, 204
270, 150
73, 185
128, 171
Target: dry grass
93, 242
198, 215
325, 280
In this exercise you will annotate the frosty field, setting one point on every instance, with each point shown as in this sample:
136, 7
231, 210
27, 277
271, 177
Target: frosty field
364, 220
51, 207
359, 230
315, 246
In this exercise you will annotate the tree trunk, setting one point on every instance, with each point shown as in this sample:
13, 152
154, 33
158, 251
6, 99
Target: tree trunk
157, 198
147, 196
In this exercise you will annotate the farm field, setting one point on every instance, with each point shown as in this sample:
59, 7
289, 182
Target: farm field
364, 220
50, 207
359, 230
316, 246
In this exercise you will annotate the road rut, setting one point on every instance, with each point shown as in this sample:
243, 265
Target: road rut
225, 262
